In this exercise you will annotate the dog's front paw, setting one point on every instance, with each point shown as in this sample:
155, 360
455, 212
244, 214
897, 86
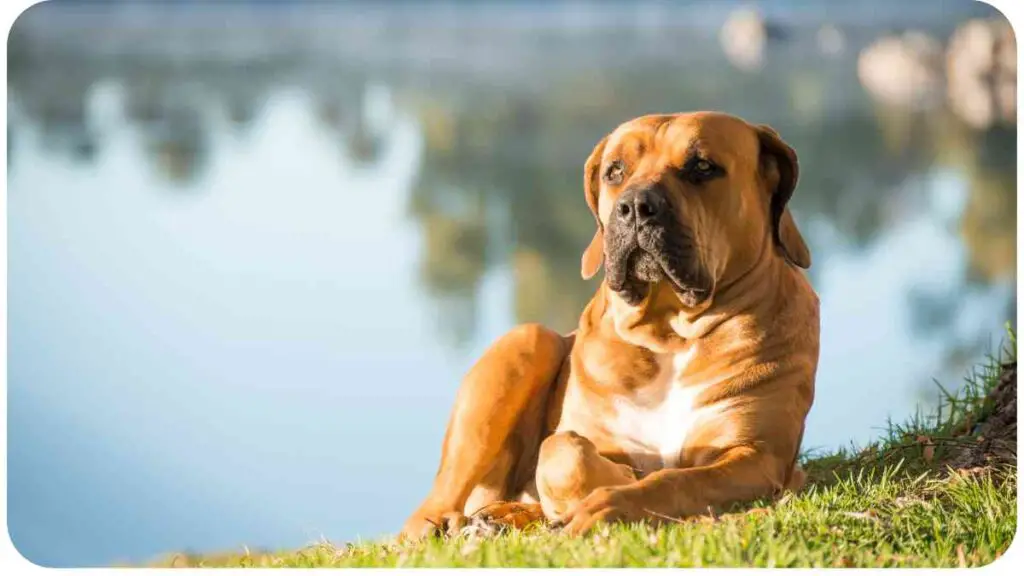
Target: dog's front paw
604, 505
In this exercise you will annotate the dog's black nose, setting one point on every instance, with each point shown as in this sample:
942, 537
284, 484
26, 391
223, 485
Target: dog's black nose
639, 206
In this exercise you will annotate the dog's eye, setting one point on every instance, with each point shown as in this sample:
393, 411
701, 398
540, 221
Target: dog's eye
614, 173
701, 170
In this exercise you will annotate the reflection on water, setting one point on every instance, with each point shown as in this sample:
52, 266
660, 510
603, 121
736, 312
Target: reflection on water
244, 283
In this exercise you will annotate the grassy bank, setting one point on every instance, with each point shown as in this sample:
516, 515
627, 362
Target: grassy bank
939, 490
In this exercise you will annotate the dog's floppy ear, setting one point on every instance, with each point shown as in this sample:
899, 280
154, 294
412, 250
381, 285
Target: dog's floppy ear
781, 171
593, 256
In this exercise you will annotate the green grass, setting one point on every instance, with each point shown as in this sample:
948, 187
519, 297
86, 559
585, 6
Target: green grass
895, 502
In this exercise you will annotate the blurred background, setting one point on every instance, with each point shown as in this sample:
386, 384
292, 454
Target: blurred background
254, 246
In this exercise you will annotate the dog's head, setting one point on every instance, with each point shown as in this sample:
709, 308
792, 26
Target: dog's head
693, 200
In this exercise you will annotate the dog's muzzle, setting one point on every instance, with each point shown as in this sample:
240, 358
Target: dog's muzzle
645, 243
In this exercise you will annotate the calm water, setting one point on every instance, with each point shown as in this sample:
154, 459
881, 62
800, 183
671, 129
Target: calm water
248, 266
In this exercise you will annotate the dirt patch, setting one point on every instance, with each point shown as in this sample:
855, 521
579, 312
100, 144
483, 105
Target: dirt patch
997, 433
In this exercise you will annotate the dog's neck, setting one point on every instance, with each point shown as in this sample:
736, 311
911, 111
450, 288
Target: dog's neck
663, 324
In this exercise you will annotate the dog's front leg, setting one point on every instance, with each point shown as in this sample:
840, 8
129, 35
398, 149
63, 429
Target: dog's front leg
741, 473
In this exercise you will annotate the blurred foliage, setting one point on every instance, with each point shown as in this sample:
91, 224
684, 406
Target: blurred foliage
499, 184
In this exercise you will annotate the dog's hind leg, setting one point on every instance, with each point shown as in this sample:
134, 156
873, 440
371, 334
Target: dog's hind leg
495, 424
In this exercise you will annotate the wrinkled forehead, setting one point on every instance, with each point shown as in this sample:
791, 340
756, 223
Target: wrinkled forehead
724, 139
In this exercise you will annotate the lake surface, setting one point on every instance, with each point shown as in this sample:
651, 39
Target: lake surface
248, 265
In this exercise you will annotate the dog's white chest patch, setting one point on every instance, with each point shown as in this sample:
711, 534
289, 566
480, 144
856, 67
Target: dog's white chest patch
660, 427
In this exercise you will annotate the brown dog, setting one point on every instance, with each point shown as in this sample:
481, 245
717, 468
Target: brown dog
686, 385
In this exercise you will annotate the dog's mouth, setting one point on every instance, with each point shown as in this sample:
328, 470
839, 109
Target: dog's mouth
638, 259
